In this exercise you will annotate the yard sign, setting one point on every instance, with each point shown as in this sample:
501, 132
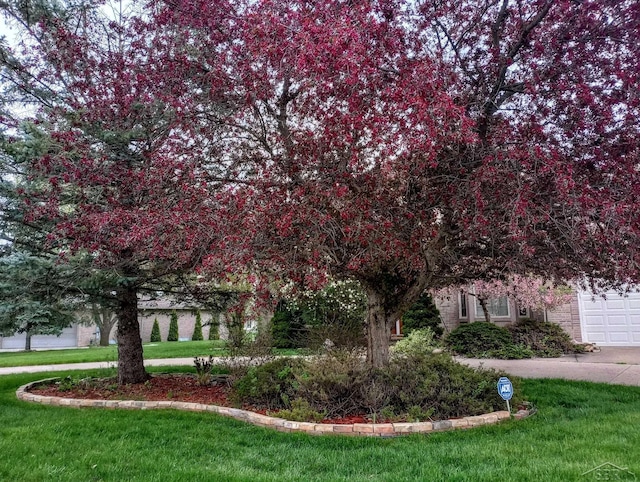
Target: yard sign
505, 389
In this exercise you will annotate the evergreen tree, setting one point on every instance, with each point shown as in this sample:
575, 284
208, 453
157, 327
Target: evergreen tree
31, 299
197, 331
214, 329
423, 314
287, 327
155, 332
173, 327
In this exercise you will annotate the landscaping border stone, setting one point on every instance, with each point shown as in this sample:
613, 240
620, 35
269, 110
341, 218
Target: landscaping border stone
358, 429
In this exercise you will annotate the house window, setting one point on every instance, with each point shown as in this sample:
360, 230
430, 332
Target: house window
462, 304
497, 307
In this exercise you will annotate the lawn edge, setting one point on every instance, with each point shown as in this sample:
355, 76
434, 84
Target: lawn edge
357, 429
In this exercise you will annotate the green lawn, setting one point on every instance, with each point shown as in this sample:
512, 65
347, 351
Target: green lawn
578, 427
182, 349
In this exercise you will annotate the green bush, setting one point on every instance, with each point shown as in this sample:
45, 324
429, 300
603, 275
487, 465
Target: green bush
448, 389
419, 342
203, 368
423, 314
347, 334
173, 327
335, 313
214, 330
237, 338
269, 386
197, 330
512, 352
300, 411
287, 328
478, 338
336, 383
412, 387
155, 332
544, 338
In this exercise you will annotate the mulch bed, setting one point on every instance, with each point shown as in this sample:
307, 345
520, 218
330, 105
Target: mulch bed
174, 387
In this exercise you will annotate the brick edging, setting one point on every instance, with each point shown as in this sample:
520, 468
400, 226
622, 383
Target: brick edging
359, 429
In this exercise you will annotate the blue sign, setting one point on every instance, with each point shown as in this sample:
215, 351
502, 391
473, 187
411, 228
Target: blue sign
505, 388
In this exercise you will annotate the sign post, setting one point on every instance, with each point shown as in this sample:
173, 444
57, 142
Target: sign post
505, 389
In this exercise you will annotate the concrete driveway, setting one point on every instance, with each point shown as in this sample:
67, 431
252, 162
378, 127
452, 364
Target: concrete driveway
609, 365
617, 365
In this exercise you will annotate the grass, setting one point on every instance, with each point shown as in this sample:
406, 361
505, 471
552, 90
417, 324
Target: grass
578, 427
183, 349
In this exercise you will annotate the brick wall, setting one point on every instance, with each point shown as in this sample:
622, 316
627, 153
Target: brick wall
568, 317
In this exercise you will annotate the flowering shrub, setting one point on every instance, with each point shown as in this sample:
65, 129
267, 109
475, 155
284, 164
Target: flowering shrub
418, 342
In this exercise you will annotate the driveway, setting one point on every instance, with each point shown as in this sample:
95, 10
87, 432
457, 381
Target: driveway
618, 365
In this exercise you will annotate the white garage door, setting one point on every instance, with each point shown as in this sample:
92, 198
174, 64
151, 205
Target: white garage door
614, 321
67, 339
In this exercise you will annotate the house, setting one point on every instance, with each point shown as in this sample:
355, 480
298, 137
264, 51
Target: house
82, 335
612, 320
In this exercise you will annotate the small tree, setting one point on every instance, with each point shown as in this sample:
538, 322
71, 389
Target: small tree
31, 299
197, 330
287, 327
155, 332
237, 335
173, 327
214, 329
423, 314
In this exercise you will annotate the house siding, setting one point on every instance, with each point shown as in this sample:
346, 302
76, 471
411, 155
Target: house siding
567, 316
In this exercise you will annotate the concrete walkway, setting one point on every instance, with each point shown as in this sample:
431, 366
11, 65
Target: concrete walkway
90, 366
609, 365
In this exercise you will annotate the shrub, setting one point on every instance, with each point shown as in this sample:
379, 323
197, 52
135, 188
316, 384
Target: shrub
418, 342
173, 327
214, 330
544, 338
287, 328
335, 313
512, 352
236, 335
423, 314
439, 385
300, 411
336, 383
271, 386
203, 369
75, 383
197, 330
478, 338
413, 387
347, 334
258, 342
155, 332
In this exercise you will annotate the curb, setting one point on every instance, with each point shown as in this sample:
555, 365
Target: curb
357, 429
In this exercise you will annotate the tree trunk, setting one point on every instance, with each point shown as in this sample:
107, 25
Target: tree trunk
103, 318
27, 340
105, 331
485, 310
378, 331
130, 356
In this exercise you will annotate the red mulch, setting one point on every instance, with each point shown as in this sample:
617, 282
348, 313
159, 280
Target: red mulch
175, 387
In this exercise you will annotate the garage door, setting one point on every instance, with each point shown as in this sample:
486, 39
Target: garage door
67, 339
614, 321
